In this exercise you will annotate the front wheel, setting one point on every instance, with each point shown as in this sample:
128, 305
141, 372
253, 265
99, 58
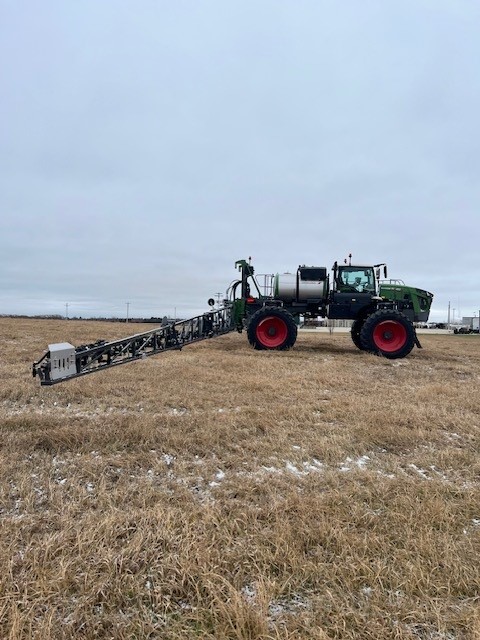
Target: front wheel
272, 328
388, 333
355, 334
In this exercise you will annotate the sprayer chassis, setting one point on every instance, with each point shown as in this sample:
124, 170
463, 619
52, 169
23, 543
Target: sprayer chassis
383, 324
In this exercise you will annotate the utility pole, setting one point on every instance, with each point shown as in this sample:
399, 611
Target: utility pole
66, 310
128, 308
448, 321
219, 296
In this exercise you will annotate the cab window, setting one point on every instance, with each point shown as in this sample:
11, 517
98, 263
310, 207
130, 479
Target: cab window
355, 279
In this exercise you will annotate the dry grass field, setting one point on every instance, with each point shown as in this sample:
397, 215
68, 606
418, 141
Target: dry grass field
225, 493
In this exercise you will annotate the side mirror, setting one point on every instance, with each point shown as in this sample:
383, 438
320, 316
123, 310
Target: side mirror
211, 302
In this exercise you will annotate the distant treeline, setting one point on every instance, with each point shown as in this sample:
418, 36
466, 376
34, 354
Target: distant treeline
161, 321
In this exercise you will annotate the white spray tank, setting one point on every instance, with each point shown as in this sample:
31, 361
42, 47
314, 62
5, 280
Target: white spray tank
309, 283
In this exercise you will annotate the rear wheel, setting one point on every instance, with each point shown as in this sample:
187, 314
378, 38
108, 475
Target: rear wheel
272, 328
355, 333
388, 333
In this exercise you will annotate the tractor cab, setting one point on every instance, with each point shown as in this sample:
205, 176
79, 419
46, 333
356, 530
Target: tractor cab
348, 278
352, 279
354, 289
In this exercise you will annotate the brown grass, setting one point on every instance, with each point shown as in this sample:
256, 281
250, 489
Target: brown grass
225, 493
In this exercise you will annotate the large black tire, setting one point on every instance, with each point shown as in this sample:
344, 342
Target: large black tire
272, 328
355, 334
388, 333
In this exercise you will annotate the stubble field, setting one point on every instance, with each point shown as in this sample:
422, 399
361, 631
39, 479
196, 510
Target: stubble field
224, 493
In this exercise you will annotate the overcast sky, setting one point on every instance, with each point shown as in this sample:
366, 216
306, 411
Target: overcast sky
146, 146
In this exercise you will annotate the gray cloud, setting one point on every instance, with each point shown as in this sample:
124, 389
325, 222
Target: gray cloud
145, 148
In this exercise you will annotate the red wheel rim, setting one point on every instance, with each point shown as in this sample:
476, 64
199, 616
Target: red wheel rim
272, 332
389, 336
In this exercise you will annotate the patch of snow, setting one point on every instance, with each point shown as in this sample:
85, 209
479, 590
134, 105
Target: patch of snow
177, 412
420, 472
316, 466
424, 632
345, 464
290, 605
168, 459
391, 476
362, 462
220, 475
439, 473
249, 593
453, 436
40, 493
293, 469
271, 470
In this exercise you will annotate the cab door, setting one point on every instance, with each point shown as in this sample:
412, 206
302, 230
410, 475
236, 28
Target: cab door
348, 306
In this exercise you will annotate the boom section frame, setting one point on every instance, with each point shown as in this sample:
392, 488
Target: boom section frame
64, 361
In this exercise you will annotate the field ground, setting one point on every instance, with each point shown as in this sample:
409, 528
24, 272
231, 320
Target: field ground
225, 493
